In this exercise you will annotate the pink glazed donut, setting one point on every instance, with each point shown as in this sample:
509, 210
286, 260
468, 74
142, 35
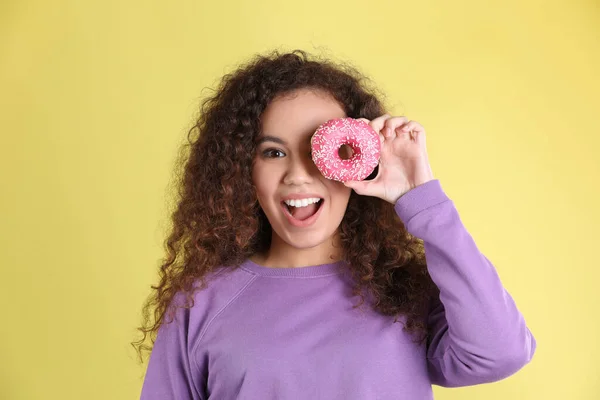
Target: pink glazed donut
359, 135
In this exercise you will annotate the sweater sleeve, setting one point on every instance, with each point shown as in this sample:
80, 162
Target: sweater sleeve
478, 334
171, 373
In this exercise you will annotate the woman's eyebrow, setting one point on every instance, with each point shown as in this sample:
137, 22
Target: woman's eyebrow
269, 138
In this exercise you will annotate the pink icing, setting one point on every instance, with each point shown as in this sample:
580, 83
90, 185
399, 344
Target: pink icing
359, 135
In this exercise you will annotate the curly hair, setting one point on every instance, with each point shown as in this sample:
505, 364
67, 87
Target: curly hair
218, 222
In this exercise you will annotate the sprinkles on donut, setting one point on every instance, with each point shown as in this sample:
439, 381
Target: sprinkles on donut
333, 134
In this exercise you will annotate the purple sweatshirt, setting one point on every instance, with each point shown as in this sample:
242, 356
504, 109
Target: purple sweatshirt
291, 333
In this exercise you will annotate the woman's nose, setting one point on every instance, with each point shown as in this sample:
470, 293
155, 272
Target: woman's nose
300, 171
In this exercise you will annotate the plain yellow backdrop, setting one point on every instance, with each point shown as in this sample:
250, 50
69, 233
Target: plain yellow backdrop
96, 96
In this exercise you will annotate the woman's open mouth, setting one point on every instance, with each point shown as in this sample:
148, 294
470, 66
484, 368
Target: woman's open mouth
302, 216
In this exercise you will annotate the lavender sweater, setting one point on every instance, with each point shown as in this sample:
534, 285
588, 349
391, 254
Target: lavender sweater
291, 333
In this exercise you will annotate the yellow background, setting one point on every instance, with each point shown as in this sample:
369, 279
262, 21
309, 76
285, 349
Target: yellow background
95, 97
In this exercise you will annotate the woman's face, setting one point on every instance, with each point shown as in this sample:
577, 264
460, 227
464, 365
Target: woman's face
283, 166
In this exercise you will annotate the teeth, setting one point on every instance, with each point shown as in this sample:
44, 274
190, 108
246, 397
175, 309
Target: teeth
303, 202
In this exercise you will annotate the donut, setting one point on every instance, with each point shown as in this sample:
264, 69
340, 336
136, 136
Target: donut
333, 134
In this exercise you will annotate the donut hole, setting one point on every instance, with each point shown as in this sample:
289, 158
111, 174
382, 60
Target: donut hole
345, 152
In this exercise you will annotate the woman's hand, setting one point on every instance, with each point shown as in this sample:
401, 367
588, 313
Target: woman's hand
403, 163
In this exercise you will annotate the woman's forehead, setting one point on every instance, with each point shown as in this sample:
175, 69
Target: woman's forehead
304, 108
285, 139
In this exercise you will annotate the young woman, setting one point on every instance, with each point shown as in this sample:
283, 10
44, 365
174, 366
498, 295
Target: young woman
253, 304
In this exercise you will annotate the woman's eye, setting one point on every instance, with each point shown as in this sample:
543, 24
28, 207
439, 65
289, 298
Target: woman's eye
269, 152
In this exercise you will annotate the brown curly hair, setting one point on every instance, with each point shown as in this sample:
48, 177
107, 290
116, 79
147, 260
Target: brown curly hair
218, 221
